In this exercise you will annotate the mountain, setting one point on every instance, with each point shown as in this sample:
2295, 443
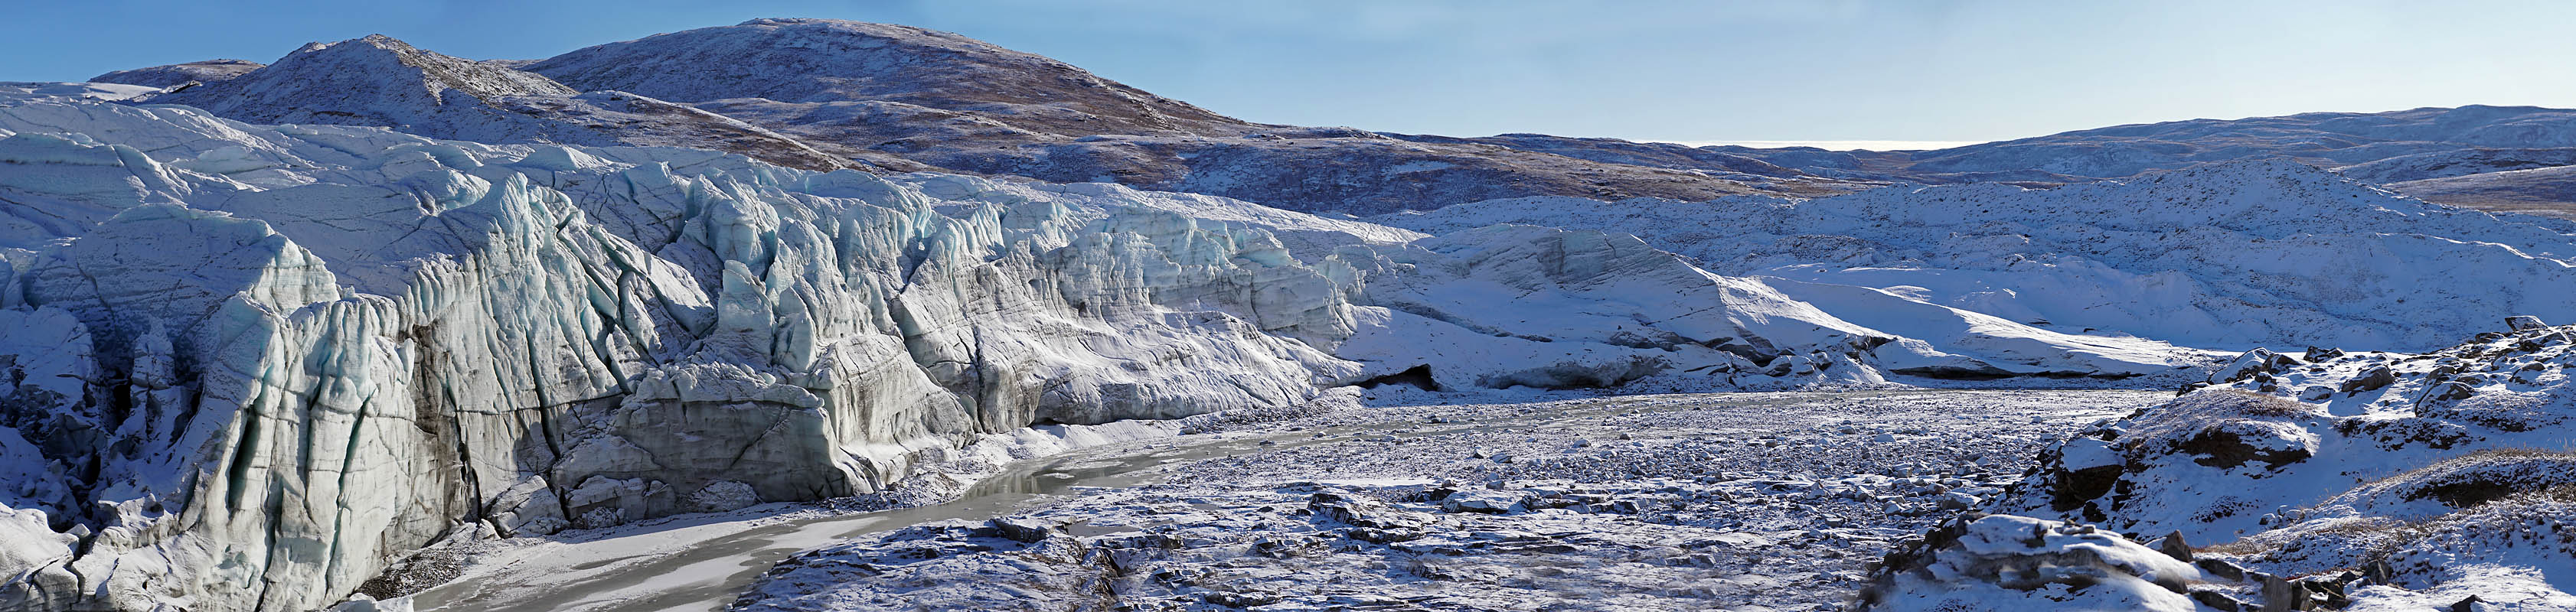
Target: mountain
818, 93
2320, 139
812, 93
895, 94
799, 61
381, 82
2385, 148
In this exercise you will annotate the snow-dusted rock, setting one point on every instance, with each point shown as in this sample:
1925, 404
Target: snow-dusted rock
2441, 476
2002, 562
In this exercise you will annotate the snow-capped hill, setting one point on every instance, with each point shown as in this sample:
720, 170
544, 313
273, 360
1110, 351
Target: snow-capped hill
163, 77
827, 60
2225, 255
382, 82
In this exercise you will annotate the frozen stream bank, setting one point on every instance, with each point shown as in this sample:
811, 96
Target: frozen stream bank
1773, 500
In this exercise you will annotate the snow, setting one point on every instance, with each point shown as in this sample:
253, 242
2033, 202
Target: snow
2032, 562
2224, 256
1626, 503
2437, 477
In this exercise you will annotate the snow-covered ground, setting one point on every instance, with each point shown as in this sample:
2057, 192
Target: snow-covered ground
2365, 481
1680, 502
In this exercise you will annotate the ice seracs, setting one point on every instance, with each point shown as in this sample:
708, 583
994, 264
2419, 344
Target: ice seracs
317, 348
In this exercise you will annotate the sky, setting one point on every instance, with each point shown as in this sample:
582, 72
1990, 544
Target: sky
1815, 71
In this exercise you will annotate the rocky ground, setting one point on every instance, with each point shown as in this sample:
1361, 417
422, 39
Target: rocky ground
1681, 502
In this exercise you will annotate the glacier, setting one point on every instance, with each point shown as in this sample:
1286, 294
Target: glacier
262, 361
250, 365
2232, 255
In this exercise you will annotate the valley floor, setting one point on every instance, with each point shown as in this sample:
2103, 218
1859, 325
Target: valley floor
1753, 501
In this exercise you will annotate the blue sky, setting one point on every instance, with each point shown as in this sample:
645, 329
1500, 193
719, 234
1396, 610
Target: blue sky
1922, 70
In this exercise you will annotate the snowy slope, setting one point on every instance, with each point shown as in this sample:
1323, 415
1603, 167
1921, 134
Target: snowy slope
2221, 256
